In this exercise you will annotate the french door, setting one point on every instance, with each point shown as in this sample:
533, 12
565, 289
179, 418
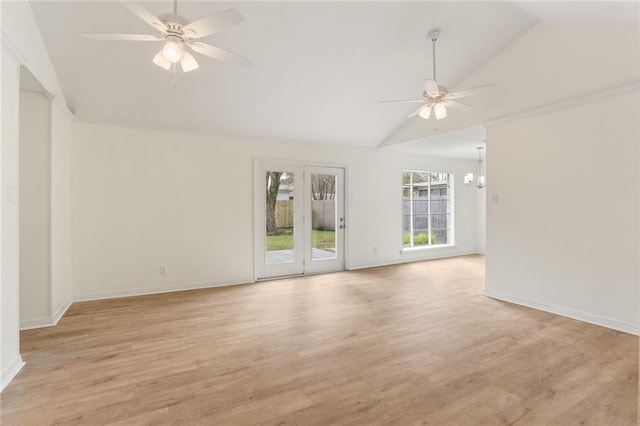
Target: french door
299, 219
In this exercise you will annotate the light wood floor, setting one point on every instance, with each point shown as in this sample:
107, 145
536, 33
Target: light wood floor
407, 344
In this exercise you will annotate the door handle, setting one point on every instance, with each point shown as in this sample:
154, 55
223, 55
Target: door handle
341, 223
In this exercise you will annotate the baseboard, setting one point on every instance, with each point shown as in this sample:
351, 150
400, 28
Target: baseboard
50, 322
567, 312
46, 322
57, 315
36, 323
11, 371
408, 259
156, 290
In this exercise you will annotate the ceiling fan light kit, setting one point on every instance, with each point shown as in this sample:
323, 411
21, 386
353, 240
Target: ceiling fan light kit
179, 35
437, 97
172, 51
440, 111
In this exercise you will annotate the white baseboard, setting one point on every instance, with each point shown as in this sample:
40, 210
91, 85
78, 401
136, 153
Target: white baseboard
46, 322
50, 322
155, 290
36, 323
10, 372
567, 312
408, 259
57, 315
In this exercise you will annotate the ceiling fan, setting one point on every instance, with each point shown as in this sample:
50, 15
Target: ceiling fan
179, 36
437, 98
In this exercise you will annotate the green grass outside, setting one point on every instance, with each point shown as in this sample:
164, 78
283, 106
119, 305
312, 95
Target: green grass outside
279, 242
419, 240
324, 240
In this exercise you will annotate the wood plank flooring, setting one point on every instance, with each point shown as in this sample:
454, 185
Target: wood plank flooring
398, 345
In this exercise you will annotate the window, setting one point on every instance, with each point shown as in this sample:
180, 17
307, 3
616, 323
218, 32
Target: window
427, 212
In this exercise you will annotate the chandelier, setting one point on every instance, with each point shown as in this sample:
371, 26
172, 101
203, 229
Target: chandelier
479, 179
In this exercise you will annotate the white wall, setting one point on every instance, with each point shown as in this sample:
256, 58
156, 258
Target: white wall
21, 36
145, 198
34, 208
45, 211
10, 360
481, 221
22, 44
60, 208
563, 236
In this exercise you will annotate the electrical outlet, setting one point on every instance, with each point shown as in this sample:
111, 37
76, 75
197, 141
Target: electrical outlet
163, 270
494, 198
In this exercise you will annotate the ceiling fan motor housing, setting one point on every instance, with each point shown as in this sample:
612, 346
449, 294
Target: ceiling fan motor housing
175, 24
443, 92
174, 38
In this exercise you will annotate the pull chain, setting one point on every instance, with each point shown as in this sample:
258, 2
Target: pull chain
174, 76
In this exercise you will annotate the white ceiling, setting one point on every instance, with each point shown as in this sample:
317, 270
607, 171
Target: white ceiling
583, 12
461, 144
321, 68
29, 83
552, 64
581, 51
319, 71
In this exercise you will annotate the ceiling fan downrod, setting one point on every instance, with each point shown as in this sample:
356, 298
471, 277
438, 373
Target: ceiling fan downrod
433, 36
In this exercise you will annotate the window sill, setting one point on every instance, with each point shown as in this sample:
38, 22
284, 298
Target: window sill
426, 248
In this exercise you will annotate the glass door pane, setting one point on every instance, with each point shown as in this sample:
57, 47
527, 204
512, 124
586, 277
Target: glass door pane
324, 217
324, 227
279, 218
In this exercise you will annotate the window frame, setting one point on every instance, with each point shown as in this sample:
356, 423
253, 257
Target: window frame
451, 211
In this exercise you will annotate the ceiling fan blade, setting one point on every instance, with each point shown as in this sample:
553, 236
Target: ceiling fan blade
188, 62
457, 105
418, 110
145, 15
431, 87
123, 37
213, 23
220, 54
408, 101
472, 91
160, 61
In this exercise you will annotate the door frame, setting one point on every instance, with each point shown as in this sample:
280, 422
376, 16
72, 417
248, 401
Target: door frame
259, 198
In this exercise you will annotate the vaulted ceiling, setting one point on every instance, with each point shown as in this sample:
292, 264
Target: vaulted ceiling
319, 69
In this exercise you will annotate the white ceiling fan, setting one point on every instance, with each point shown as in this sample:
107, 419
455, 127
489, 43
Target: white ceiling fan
437, 98
179, 36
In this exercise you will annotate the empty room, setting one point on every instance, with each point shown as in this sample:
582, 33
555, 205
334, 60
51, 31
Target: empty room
319, 213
